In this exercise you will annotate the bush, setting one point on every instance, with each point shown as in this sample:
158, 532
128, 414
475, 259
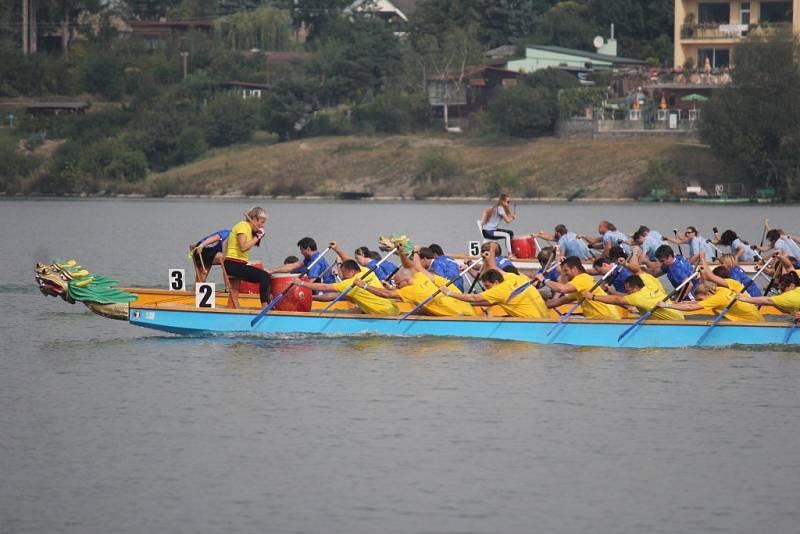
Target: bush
112, 159
286, 107
190, 145
229, 119
436, 166
523, 111
391, 112
102, 73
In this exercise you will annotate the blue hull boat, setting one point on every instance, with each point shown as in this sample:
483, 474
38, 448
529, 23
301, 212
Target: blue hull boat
579, 332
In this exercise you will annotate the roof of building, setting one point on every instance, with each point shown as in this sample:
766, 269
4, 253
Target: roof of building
248, 85
617, 60
405, 7
503, 51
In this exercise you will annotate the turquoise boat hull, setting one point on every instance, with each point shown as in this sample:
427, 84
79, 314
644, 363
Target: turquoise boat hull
578, 332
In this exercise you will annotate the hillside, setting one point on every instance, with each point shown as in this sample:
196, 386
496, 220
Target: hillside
431, 166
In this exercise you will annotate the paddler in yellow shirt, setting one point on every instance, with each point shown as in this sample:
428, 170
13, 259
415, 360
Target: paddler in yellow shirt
578, 283
352, 272
415, 284
716, 294
644, 293
499, 287
789, 299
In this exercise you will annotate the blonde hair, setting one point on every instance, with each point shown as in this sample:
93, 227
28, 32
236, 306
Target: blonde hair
706, 288
256, 212
728, 260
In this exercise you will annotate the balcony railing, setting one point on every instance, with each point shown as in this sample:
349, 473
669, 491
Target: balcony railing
708, 31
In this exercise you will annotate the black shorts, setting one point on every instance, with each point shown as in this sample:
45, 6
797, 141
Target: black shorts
207, 254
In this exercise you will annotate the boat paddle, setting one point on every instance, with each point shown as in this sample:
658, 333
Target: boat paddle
649, 312
719, 317
362, 277
764, 233
547, 268
580, 300
680, 250
438, 291
790, 332
283, 293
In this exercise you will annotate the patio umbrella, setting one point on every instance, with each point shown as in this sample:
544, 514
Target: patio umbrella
694, 98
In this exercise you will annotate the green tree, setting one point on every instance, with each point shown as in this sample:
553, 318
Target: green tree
266, 28
287, 107
568, 24
229, 119
102, 73
754, 120
523, 111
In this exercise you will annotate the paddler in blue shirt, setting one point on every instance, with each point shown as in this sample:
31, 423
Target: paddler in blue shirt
445, 266
616, 256
675, 267
568, 242
609, 237
367, 258
308, 250
207, 252
648, 240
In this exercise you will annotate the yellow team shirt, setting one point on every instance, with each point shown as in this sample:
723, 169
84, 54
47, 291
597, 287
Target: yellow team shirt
368, 302
528, 304
740, 311
651, 294
234, 252
593, 309
788, 301
421, 287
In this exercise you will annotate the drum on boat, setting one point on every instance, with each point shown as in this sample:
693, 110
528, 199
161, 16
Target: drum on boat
524, 247
296, 299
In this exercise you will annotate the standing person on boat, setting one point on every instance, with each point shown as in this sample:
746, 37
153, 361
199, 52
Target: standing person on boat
244, 236
445, 266
207, 252
648, 240
308, 250
496, 215
609, 237
740, 250
352, 272
643, 292
568, 242
738, 274
499, 287
578, 283
415, 284
697, 244
789, 299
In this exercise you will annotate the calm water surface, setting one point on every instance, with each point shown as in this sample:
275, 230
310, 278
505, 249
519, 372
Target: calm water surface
108, 428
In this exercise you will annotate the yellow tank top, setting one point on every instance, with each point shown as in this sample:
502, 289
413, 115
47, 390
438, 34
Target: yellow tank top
234, 252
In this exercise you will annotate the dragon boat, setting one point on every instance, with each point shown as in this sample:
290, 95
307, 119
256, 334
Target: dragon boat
168, 312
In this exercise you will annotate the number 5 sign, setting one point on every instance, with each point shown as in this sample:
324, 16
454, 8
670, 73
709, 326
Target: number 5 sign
205, 295
177, 280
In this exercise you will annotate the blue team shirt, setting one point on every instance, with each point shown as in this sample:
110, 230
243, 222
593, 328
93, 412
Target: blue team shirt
446, 267
552, 275
698, 243
570, 245
382, 271
217, 247
749, 254
618, 279
617, 238
502, 262
787, 245
679, 271
738, 274
318, 269
651, 242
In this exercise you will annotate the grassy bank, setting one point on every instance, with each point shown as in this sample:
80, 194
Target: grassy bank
425, 166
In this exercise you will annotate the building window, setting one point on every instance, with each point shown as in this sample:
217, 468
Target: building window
719, 57
745, 13
776, 12
709, 13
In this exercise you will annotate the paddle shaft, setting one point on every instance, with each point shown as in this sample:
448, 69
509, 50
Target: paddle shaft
580, 300
362, 277
790, 332
680, 250
438, 291
283, 293
649, 312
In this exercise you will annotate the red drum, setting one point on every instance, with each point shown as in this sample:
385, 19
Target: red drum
524, 247
246, 287
297, 299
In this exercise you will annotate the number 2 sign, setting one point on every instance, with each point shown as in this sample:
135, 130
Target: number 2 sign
205, 295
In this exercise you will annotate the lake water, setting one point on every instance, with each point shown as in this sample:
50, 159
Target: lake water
109, 428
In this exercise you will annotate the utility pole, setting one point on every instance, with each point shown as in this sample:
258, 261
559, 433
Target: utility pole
184, 59
25, 22
34, 37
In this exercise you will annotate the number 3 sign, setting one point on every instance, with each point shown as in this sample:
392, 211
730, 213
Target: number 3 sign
177, 280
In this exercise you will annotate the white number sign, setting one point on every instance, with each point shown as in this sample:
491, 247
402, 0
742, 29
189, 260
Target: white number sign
205, 295
177, 280
474, 248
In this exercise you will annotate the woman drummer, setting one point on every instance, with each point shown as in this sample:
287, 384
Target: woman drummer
494, 216
244, 236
